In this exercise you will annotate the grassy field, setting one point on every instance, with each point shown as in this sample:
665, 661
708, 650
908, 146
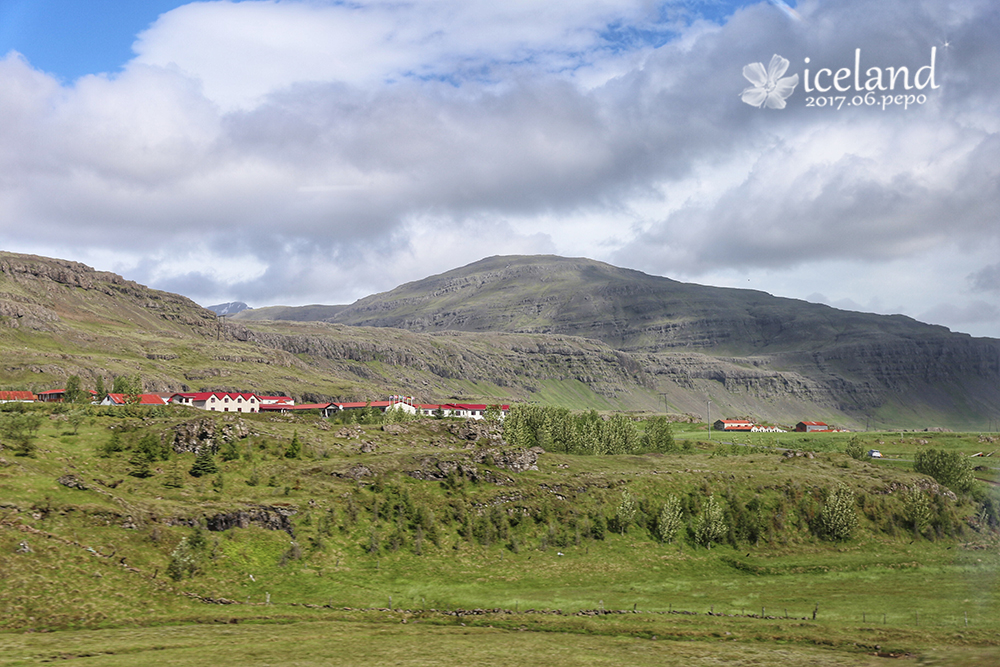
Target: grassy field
400, 546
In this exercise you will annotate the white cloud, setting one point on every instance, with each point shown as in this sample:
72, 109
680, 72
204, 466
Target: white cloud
304, 152
242, 51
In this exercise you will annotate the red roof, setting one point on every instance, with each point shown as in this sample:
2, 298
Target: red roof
144, 399
362, 404
279, 407
205, 395
16, 396
813, 423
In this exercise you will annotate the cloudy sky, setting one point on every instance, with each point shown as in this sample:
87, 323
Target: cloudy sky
309, 151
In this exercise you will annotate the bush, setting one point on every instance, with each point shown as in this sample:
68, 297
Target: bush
917, 508
855, 449
952, 469
711, 526
19, 430
668, 521
839, 517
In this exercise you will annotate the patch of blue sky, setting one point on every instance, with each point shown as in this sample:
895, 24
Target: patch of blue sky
71, 38
670, 19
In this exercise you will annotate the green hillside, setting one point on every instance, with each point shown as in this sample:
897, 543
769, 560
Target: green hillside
440, 523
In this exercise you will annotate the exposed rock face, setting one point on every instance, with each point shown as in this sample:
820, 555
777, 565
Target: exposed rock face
195, 435
513, 459
16, 314
476, 430
269, 518
36, 274
73, 482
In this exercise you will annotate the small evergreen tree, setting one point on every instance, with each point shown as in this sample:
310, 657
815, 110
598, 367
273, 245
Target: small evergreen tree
855, 449
294, 450
112, 446
76, 417
174, 479
204, 464
140, 464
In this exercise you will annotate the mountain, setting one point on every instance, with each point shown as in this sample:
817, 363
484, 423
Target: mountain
757, 350
230, 308
626, 309
560, 331
60, 318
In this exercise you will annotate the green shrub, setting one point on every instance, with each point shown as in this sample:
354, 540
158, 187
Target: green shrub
669, 520
839, 517
711, 525
917, 509
952, 469
855, 448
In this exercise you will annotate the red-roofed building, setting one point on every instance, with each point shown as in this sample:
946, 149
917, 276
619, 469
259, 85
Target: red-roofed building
733, 425
276, 400
17, 397
323, 408
809, 427
57, 395
143, 399
219, 401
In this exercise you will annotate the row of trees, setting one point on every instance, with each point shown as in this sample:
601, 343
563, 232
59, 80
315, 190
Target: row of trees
128, 385
558, 429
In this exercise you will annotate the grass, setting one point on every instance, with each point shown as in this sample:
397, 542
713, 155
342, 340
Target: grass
95, 579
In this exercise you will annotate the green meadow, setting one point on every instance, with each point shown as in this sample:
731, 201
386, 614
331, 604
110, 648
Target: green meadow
415, 543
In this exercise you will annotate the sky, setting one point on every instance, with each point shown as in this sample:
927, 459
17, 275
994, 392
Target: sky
289, 152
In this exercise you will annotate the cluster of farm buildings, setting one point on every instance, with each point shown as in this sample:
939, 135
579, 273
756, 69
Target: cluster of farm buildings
226, 401
741, 425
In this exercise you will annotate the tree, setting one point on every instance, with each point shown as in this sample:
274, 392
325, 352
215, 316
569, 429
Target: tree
917, 506
294, 450
140, 464
949, 468
99, 389
855, 449
658, 436
19, 429
493, 415
76, 417
669, 520
839, 517
711, 526
625, 514
204, 464
74, 393
128, 385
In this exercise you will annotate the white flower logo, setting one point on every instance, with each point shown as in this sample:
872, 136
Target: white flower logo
768, 88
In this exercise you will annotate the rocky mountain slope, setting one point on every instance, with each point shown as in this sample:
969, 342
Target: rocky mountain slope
775, 359
743, 349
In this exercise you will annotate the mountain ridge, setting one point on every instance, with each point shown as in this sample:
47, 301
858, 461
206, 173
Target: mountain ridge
861, 363
60, 318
